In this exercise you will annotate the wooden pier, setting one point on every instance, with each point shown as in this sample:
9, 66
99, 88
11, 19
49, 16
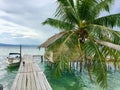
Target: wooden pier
30, 77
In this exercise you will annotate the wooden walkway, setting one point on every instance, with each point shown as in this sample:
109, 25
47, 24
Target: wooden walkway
30, 77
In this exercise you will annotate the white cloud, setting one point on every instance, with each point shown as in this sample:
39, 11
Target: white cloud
20, 20
18, 31
27, 12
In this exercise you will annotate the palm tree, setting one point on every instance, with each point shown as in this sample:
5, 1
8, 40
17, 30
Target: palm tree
86, 36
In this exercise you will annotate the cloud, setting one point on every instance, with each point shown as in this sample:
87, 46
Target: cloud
15, 31
24, 11
20, 20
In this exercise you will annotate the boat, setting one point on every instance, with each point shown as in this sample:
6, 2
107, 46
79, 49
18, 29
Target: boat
13, 59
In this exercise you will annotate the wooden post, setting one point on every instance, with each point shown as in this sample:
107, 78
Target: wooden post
41, 58
20, 53
1, 87
80, 66
74, 65
70, 65
77, 65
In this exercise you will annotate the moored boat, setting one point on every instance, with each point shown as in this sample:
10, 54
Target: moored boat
13, 59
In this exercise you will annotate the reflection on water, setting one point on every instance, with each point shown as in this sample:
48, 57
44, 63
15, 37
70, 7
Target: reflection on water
65, 82
81, 82
7, 75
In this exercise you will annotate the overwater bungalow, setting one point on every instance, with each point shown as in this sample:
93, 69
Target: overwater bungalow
76, 59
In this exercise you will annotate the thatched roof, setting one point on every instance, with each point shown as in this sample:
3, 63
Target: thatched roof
51, 40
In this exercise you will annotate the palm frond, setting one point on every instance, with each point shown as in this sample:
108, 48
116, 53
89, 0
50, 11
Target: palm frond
76, 17
58, 24
102, 5
98, 62
62, 52
104, 33
111, 55
60, 43
66, 11
85, 9
109, 21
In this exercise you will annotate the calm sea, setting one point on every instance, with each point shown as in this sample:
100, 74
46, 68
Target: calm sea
72, 81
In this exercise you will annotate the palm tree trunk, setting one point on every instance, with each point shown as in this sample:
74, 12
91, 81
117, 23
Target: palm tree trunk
108, 44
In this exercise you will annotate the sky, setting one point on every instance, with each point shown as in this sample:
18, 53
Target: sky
20, 20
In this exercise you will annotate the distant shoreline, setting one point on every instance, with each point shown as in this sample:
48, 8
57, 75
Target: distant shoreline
13, 45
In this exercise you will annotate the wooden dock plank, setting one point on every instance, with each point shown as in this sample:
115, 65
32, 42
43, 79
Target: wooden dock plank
28, 82
41, 81
15, 82
33, 82
46, 82
19, 83
30, 77
37, 82
23, 86
36, 68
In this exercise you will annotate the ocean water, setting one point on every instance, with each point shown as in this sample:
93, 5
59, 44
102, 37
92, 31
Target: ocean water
7, 75
73, 81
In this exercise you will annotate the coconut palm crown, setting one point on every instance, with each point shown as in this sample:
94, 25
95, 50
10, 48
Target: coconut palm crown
86, 36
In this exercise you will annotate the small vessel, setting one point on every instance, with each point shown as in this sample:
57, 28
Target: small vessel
13, 59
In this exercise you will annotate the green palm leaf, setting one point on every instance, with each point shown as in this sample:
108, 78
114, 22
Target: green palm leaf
58, 24
102, 5
109, 21
99, 63
66, 11
86, 36
104, 33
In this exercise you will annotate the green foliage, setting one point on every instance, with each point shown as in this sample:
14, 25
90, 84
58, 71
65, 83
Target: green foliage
80, 21
98, 62
58, 24
109, 21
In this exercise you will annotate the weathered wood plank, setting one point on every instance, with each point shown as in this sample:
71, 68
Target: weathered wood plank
41, 81
23, 87
36, 68
46, 82
37, 82
30, 77
15, 82
19, 83
33, 82
28, 82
